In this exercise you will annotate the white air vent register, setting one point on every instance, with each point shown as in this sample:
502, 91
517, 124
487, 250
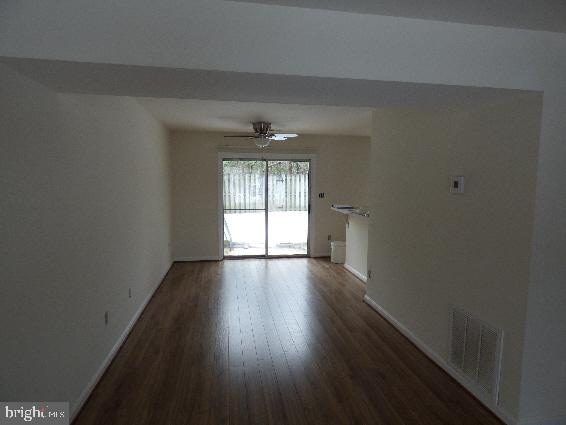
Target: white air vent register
475, 352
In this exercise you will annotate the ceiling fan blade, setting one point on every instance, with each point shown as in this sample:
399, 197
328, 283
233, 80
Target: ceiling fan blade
288, 135
283, 136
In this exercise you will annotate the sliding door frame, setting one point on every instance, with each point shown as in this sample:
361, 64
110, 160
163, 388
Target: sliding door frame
255, 156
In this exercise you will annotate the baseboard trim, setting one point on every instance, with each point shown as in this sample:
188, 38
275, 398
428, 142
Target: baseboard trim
356, 273
190, 259
108, 360
559, 420
496, 410
320, 254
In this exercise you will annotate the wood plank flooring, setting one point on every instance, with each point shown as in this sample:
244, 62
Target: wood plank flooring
280, 341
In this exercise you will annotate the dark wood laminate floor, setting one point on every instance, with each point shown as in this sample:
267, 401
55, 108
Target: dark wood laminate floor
282, 341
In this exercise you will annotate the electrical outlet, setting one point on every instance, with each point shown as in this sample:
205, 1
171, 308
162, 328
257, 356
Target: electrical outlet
369, 273
129, 292
456, 184
329, 237
105, 317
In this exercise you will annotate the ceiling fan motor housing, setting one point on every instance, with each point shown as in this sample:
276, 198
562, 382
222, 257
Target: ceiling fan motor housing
263, 134
262, 128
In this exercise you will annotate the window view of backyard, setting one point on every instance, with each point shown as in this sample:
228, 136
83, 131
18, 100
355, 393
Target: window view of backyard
258, 192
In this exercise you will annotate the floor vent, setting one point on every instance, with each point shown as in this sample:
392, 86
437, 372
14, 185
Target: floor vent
475, 352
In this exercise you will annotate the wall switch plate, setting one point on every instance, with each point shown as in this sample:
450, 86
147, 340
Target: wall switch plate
321, 195
456, 184
329, 237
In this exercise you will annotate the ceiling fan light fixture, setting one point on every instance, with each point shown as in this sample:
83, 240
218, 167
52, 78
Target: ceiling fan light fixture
262, 142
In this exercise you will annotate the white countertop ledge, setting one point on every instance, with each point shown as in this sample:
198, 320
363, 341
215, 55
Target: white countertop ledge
351, 211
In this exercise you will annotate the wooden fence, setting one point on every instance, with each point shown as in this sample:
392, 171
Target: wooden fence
287, 192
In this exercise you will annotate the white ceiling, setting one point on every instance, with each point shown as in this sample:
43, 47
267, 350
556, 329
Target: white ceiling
225, 116
230, 101
543, 15
168, 83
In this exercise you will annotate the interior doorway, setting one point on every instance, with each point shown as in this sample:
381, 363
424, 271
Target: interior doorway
266, 207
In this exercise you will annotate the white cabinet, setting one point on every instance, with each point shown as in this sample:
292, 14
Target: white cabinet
357, 245
356, 239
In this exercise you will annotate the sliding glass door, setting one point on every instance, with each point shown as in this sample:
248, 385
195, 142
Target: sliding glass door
266, 207
288, 207
244, 207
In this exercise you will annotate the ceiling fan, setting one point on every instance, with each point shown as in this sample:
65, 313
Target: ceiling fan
263, 134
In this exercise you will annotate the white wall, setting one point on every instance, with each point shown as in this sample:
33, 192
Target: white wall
341, 173
543, 393
84, 215
430, 249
